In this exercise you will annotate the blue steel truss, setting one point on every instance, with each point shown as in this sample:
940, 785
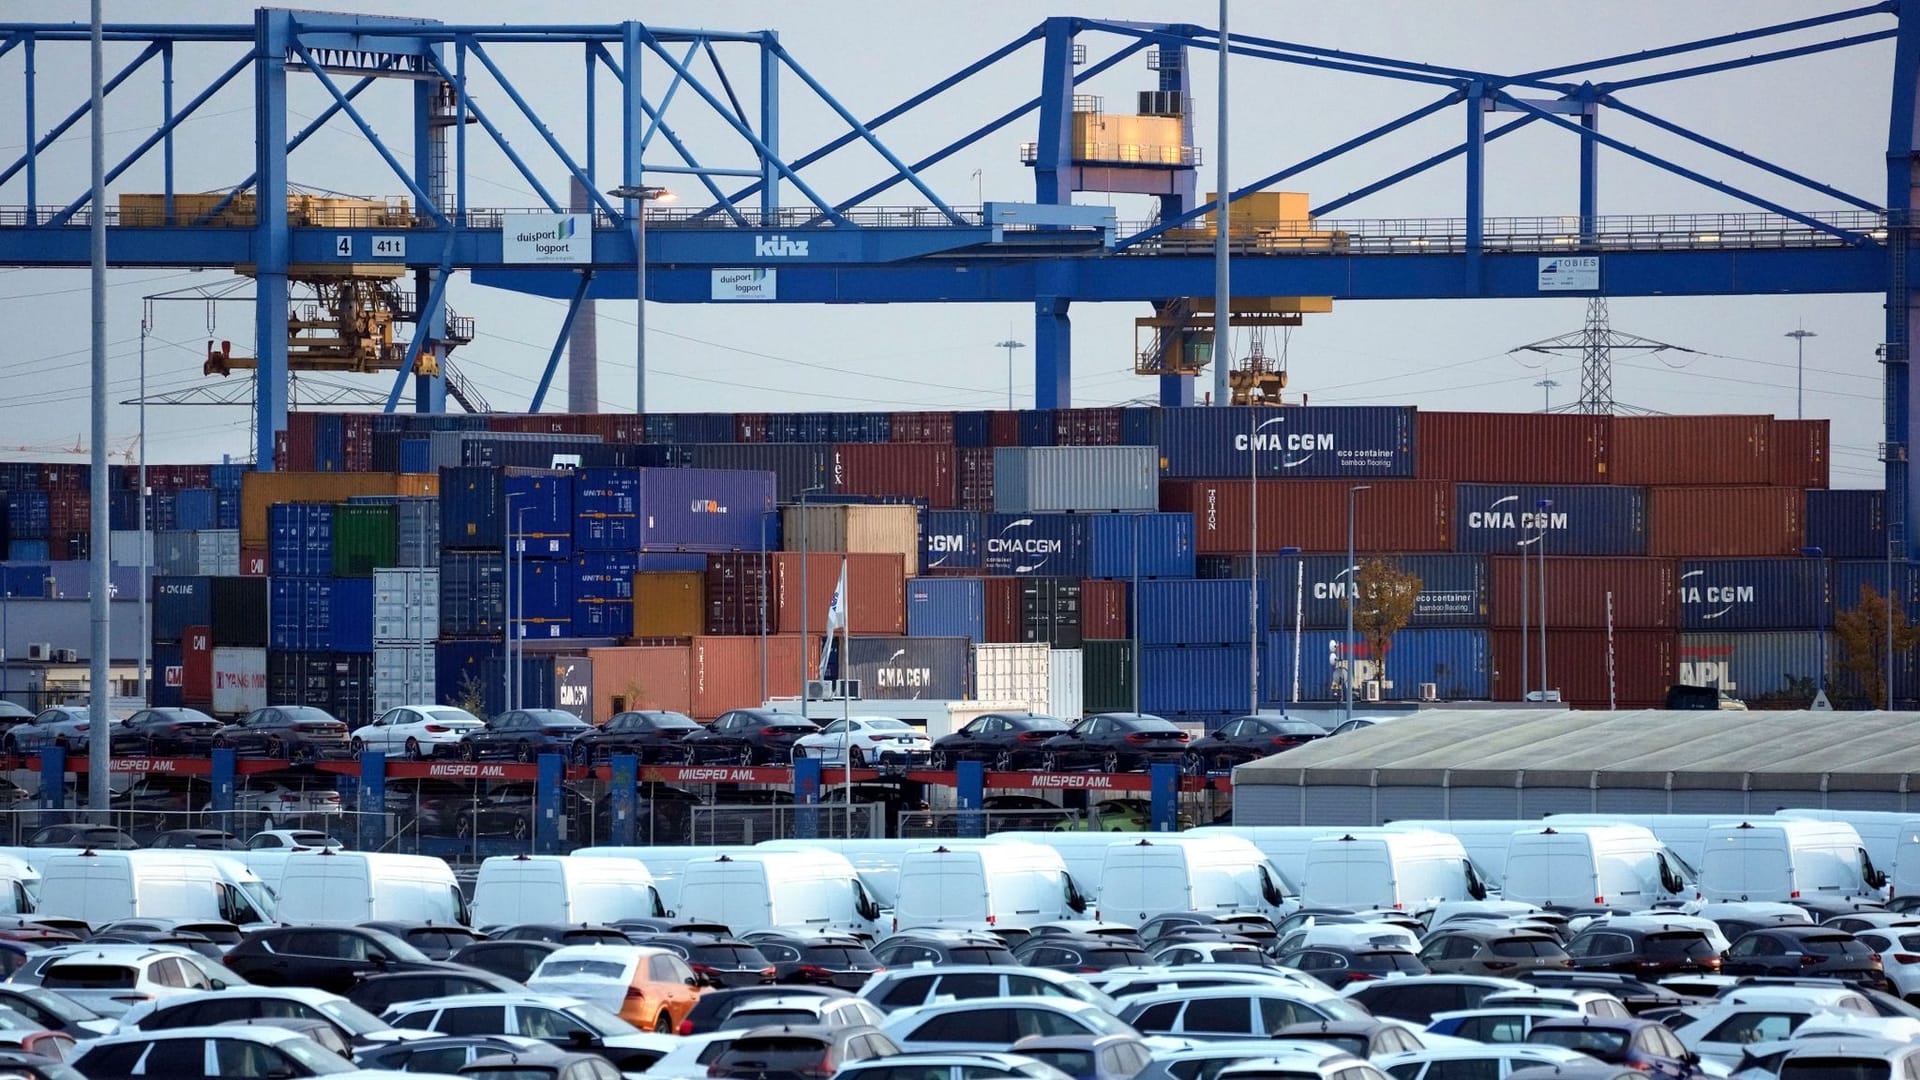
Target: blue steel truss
835, 246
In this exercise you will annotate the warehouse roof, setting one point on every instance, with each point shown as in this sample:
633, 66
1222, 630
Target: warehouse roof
1648, 748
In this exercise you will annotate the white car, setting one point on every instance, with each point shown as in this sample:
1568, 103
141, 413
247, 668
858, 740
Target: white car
1443, 1061
111, 979
227, 1050
418, 731
537, 1016
691, 1054
1227, 1012
292, 840
1301, 1067
896, 988
806, 1009
875, 739
995, 1024
236, 1003
280, 804
1899, 949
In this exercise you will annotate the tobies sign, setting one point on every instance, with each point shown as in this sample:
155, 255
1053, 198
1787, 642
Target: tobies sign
546, 238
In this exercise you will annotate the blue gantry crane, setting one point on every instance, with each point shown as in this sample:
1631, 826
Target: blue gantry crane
763, 220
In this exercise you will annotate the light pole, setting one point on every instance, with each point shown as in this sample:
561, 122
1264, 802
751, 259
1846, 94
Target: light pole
506, 607
1299, 613
146, 532
1010, 344
1353, 597
1800, 336
1547, 385
638, 196
1893, 541
1526, 639
1540, 520
520, 588
1816, 554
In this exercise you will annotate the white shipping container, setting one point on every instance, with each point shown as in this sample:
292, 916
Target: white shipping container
1052, 479
406, 605
123, 547
1013, 673
1063, 680
239, 681
402, 675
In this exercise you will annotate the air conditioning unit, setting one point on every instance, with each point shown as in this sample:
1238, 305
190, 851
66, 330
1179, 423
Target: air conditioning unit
1429, 691
66, 656
832, 689
40, 650
1373, 690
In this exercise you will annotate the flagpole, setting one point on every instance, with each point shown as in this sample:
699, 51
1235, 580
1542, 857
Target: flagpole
846, 694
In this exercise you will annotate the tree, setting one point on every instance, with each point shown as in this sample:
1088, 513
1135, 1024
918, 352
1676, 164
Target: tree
472, 696
1862, 634
1382, 601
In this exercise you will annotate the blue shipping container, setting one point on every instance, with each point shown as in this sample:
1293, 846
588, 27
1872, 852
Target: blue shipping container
542, 508
1193, 612
460, 667
351, 616
916, 668
472, 601
1453, 588
542, 591
416, 455
28, 550
1756, 594
947, 607
28, 515
300, 540
949, 539
1036, 427
972, 429
1850, 576
1034, 545
180, 602
472, 508
1308, 441
227, 478
1195, 678
602, 618
1760, 668
608, 575
1458, 662
1582, 520
196, 509
1147, 545
1140, 427
321, 615
795, 466
227, 511
168, 677
25, 580
671, 509
1847, 524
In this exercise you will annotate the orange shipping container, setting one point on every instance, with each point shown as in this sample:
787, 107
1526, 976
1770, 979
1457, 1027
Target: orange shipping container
1393, 515
259, 490
644, 677
1801, 457
876, 592
1643, 666
1655, 450
1645, 593
1513, 448
727, 672
1701, 522
669, 604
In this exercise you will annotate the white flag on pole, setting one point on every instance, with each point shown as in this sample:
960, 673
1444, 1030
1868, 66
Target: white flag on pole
836, 618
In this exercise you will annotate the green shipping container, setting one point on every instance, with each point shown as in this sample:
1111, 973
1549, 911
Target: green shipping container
1106, 677
364, 537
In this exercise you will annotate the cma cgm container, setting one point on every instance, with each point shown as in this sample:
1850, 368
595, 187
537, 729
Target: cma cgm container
671, 509
947, 607
915, 668
1778, 667
1022, 545
949, 540
1756, 594
1590, 668
1720, 449
1577, 520
1038, 480
1196, 612
1308, 441
1453, 588
1848, 523
1644, 593
1195, 678
1520, 448
1454, 660
1393, 515
1725, 521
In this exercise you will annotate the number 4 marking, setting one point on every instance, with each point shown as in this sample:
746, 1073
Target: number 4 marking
343, 246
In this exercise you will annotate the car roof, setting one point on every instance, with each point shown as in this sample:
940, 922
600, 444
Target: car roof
303, 994
1291, 991
261, 1034
1455, 1052
1063, 1004
527, 997
1605, 1023
786, 1001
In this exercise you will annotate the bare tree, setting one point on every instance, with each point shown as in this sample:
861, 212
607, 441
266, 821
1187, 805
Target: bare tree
1383, 598
1862, 633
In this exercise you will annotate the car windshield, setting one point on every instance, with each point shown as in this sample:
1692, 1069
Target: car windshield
1104, 1023
323, 1062
673, 720
1834, 946
355, 1019
1525, 947
1835, 1068
600, 1021
747, 956
1297, 727
509, 1072
1069, 1061
552, 718
460, 716
981, 954
599, 969
60, 1005
1587, 1040
1150, 724
849, 957
1679, 945
1388, 960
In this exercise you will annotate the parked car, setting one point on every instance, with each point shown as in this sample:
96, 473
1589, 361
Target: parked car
655, 736
514, 960
748, 737
1645, 947
160, 732
820, 959
330, 958
1643, 1045
354, 1024
1463, 948
1088, 1057
1005, 741
438, 941
650, 988
378, 993
418, 731
64, 726
1121, 815
1416, 998
722, 962
548, 1065
1805, 952
942, 947
111, 979
525, 734
991, 1024
294, 839
1341, 966
799, 1053
568, 1022
1114, 742
976, 1065
803, 1010
197, 839
224, 934
907, 987
1079, 952
73, 835
450, 1053
1249, 738
55, 1011
241, 1051
866, 740
715, 1006
293, 732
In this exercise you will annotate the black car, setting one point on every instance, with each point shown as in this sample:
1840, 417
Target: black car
224, 934
1004, 741
556, 1065
564, 934
1642, 1045
1249, 738
712, 1008
159, 732
824, 960
525, 734
198, 840
799, 1053
514, 960
1340, 966
355, 1025
1114, 742
654, 736
198, 943
447, 1054
294, 732
378, 993
439, 941
1800, 951
938, 947
1637, 994
748, 737
330, 958
1644, 947
722, 962
73, 835
1079, 952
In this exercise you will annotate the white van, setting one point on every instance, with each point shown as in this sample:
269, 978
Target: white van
1781, 860
977, 885
1484, 838
1390, 870
1599, 865
346, 888
1285, 846
1175, 872
1085, 853
514, 889
19, 884
666, 862
762, 890
1881, 831
1684, 834
875, 859
106, 886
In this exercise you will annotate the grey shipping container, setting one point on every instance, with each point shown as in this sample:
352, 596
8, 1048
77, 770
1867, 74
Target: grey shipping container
1774, 667
212, 552
926, 669
1048, 479
402, 675
406, 605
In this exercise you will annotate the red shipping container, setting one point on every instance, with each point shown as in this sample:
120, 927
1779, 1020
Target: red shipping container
1702, 522
1103, 610
973, 484
921, 427
915, 470
1001, 613
1655, 450
727, 672
356, 434
642, 678
1087, 427
750, 427
302, 435
1394, 515
69, 512
876, 592
735, 590
1642, 666
1513, 448
253, 562
196, 665
1801, 453
1003, 428
1645, 592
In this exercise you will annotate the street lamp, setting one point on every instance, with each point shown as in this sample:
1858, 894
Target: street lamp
1526, 640
1816, 554
1010, 344
506, 605
638, 195
1540, 522
1353, 596
519, 632
1800, 336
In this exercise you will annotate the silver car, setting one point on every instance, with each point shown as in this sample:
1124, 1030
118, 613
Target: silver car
65, 726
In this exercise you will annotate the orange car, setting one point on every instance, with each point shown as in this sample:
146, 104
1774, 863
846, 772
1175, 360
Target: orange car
652, 989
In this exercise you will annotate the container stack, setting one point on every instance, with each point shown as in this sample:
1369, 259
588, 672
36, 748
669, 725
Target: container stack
321, 561
210, 638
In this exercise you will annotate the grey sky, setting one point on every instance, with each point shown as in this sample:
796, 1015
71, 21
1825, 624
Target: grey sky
1824, 116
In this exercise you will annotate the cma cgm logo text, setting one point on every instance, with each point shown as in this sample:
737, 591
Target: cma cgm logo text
778, 247
1337, 588
945, 544
1018, 548
1285, 443
1507, 513
1723, 598
707, 506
